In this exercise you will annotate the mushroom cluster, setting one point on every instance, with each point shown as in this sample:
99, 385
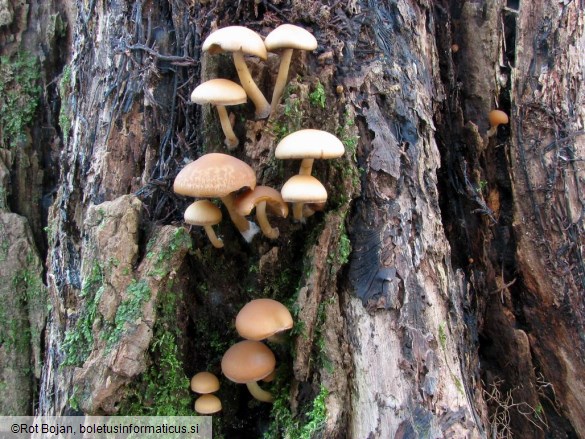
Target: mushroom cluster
206, 383
250, 360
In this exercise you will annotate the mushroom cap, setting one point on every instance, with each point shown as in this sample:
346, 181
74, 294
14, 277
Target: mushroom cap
219, 92
303, 189
207, 404
214, 175
497, 117
261, 318
310, 144
247, 361
204, 382
203, 213
289, 36
248, 200
235, 39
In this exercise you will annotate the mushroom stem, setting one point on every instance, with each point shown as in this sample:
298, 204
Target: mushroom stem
217, 243
306, 167
231, 141
281, 78
258, 393
240, 222
493, 130
298, 211
252, 90
267, 229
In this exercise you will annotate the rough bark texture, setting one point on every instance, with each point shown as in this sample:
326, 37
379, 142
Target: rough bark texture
439, 294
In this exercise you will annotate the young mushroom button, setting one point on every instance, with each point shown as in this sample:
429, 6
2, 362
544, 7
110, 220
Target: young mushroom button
247, 362
221, 92
496, 118
287, 37
301, 189
204, 382
207, 404
240, 40
217, 175
205, 213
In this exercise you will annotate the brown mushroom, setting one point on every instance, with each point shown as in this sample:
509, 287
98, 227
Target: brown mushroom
205, 213
301, 189
218, 175
262, 319
259, 198
247, 362
204, 382
496, 118
207, 404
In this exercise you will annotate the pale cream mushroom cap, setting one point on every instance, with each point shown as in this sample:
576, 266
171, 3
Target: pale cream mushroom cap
235, 39
309, 143
289, 36
207, 404
303, 189
247, 361
214, 175
203, 213
204, 382
219, 92
262, 318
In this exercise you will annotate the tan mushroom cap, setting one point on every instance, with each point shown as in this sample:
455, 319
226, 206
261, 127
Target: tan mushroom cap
289, 36
247, 361
214, 175
207, 404
309, 143
219, 92
203, 213
204, 382
303, 189
497, 117
248, 200
262, 318
235, 39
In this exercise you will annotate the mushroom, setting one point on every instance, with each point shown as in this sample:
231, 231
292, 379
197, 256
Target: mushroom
260, 197
287, 37
496, 118
301, 189
221, 92
218, 175
204, 382
207, 404
205, 213
240, 40
309, 145
263, 318
247, 362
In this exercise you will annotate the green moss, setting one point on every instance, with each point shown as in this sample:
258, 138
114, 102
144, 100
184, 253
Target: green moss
78, 340
307, 426
162, 256
317, 97
163, 390
19, 95
64, 93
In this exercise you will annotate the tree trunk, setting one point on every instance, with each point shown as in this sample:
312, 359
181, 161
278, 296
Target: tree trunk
439, 293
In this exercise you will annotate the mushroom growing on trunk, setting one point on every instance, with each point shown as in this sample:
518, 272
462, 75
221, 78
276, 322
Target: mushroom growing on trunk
301, 189
205, 213
240, 41
261, 197
218, 175
262, 319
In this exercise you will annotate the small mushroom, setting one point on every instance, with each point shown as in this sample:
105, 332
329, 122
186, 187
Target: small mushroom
496, 118
221, 92
309, 145
287, 37
240, 40
262, 319
204, 382
218, 175
247, 362
207, 404
301, 189
205, 213
261, 197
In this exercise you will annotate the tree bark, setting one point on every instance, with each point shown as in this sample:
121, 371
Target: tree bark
439, 293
